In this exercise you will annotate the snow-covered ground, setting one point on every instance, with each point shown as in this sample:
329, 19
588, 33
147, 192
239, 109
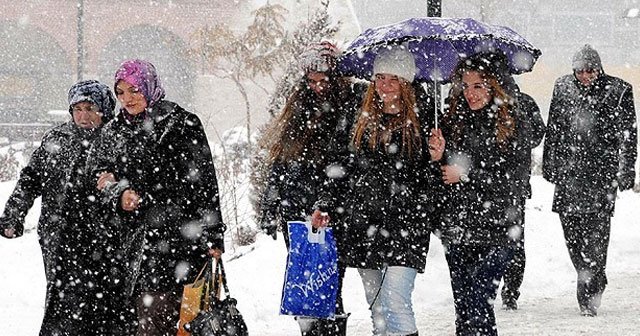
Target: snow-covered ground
547, 306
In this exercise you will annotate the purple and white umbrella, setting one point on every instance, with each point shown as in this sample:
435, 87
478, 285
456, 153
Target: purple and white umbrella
437, 44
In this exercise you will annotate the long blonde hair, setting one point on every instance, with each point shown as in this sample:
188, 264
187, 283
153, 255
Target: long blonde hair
370, 121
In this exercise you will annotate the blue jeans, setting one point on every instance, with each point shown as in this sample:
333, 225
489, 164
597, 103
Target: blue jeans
475, 276
392, 311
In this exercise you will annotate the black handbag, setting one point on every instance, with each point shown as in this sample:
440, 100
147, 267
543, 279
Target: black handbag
221, 318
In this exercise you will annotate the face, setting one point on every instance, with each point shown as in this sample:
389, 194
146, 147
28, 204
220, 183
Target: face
587, 76
131, 98
388, 88
318, 82
86, 115
476, 90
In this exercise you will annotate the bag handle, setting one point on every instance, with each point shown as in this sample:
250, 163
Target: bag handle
315, 235
219, 278
204, 299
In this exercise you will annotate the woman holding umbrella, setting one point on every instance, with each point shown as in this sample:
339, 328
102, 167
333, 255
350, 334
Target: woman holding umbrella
484, 171
384, 169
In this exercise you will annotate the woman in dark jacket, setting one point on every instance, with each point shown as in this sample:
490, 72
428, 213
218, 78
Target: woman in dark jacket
484, 171
156, 170
298, 144
73, 236
386, 231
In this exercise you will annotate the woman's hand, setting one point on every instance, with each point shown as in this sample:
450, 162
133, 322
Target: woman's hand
319, 219
215, 252
451, 174
105, 179
130, 200
10, 233
436, 144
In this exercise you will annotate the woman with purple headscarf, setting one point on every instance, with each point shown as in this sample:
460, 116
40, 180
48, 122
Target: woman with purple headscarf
154, 167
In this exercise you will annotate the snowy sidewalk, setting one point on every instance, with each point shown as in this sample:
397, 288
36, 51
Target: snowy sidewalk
547, 306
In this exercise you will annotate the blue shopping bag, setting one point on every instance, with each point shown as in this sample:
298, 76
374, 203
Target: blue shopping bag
311, 278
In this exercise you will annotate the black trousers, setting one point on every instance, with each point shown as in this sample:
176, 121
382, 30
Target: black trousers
587, 239
514, 274
475, 271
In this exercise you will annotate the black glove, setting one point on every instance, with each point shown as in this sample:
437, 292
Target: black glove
269, 227
626, 181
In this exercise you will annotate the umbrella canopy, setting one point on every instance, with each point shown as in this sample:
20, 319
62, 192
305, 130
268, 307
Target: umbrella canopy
437, 44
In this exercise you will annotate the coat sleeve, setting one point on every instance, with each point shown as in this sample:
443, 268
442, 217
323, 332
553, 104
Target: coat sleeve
101, 159
28, 188
628, 140
203, 183
532, 120
270, 200
339, 170
550, 160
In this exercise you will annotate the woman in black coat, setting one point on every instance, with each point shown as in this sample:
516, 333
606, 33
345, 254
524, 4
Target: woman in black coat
485, 173
299, 151
75, 241
156, 170
378, 194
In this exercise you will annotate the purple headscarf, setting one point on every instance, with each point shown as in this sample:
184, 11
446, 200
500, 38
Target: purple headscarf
143, 76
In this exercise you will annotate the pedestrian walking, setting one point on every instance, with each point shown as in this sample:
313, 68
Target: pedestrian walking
589, 154
154, 167
298, 142
484, 168
384, 171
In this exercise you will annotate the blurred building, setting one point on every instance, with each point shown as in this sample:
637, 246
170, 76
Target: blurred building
46, 45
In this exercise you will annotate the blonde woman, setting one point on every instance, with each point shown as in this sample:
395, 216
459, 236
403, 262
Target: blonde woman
385, 171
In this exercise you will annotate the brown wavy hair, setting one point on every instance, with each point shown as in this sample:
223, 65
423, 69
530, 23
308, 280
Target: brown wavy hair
505, 122
370, 121
290, 135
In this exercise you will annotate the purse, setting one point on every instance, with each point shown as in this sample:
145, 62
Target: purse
221, 317
195, 298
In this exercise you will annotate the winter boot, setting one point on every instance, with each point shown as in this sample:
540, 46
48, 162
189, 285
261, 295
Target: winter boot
335, 327
509, 303
310, 327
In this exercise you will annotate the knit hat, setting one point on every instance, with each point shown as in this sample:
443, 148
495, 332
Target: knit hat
319, 57
143, 76
586, 58
94, 92
396, 60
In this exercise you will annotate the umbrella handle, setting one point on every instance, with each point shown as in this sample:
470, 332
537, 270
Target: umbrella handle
435, 102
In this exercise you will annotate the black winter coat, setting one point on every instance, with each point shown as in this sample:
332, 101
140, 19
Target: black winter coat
487, 209
530, 113
590, 150
76, 243
293, 187
379, 196
163, 155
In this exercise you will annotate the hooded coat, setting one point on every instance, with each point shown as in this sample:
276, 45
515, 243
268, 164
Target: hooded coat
590, 150
77, 247
164, 156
